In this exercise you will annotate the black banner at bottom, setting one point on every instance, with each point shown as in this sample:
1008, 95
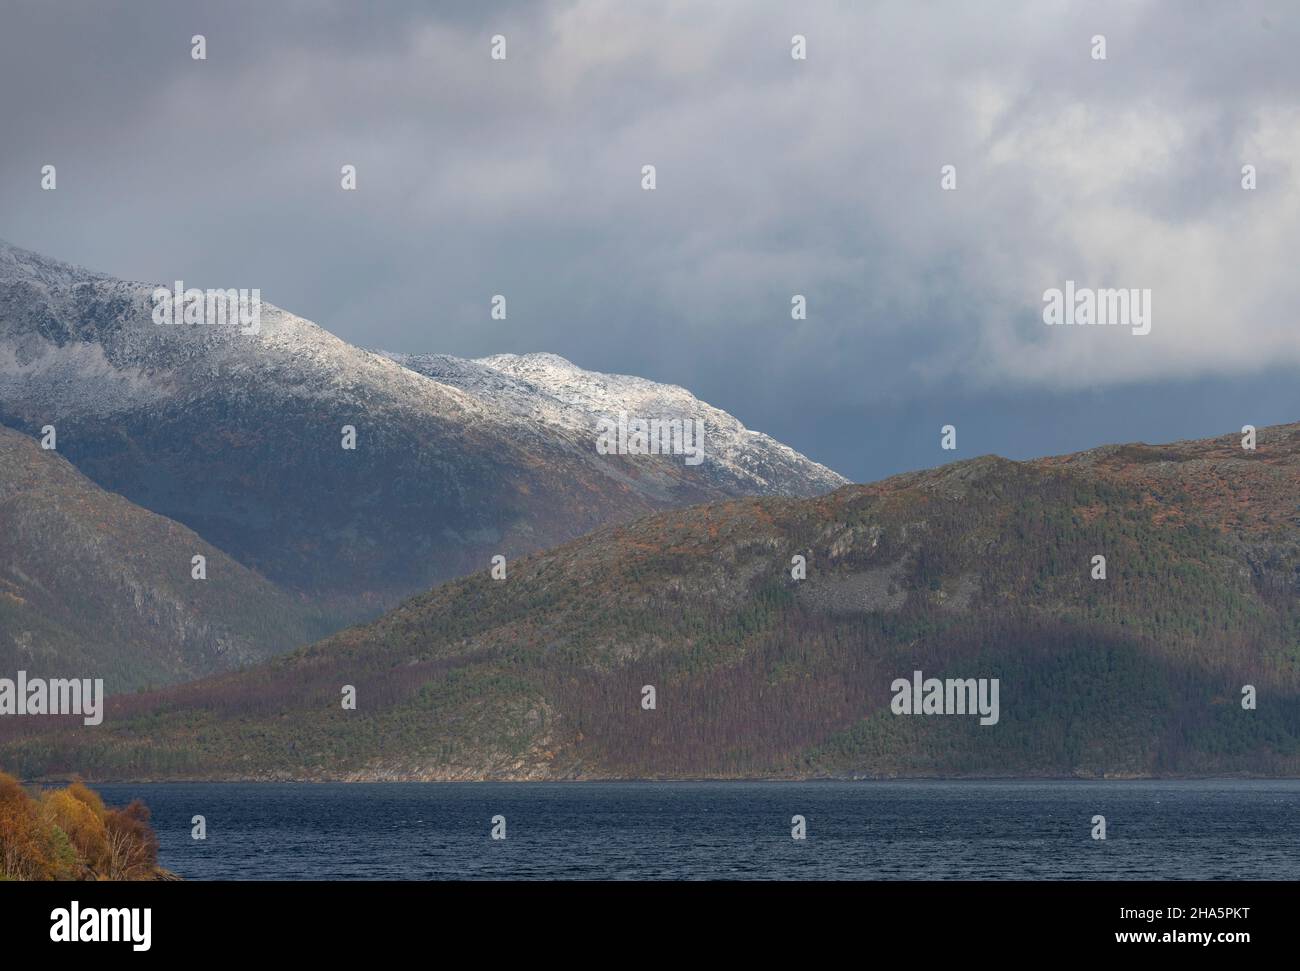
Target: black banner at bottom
168, 921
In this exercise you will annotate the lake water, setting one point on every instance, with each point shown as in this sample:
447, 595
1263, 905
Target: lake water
728, 830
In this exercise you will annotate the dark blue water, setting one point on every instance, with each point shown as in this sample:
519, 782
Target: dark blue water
728, 830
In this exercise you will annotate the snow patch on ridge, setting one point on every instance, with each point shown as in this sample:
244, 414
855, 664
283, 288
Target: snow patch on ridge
548, 388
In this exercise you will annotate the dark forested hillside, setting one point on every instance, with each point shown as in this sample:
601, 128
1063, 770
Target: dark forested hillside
980, 569
92, 586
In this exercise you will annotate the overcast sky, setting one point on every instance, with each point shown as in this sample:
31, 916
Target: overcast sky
775, 176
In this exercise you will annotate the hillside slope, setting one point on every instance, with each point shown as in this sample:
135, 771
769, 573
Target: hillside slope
980, 569
92, 586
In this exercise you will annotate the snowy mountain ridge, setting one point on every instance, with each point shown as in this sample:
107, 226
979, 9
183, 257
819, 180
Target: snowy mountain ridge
547, 388
350, 477
75, 342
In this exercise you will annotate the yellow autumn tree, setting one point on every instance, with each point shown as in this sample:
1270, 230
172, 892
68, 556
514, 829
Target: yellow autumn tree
77, 815
25, 844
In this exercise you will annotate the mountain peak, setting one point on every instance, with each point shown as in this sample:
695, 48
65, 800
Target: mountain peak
17, 263
239, 437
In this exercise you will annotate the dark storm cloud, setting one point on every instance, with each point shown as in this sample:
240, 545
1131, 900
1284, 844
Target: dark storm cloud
775, 177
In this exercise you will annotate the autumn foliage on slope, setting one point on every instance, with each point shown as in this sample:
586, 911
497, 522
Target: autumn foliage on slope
69, 834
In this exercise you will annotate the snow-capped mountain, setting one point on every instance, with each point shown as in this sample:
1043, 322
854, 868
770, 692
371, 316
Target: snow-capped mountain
559, 395
240, 436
